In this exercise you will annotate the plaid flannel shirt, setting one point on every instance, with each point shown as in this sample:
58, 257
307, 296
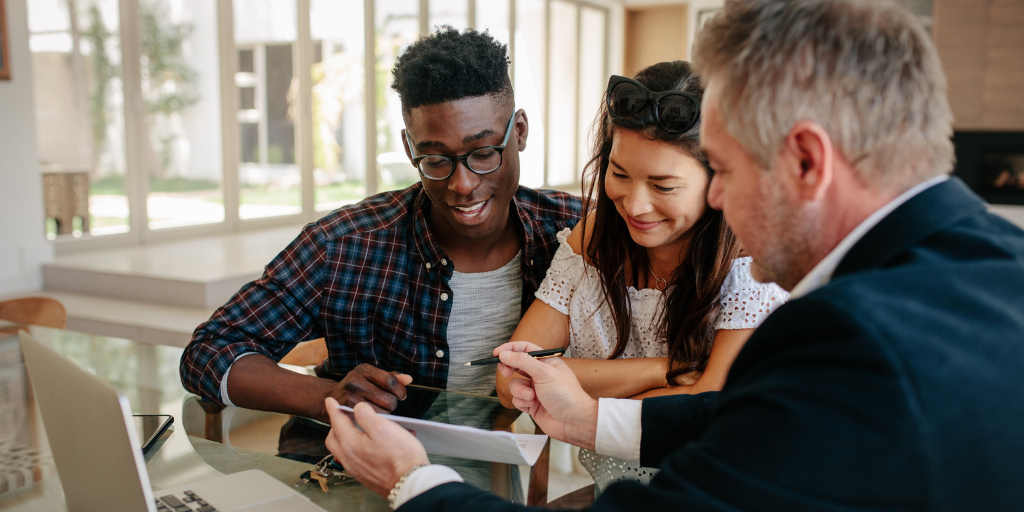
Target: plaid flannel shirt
372, 281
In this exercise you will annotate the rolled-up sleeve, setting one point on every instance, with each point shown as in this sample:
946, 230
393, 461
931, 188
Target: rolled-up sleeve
267, 316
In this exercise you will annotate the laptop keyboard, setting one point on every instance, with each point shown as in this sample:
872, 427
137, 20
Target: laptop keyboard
187, 501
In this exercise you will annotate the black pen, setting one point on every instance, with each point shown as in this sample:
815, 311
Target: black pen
537, 354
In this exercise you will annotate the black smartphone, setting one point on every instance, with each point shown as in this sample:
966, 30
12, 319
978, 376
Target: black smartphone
150, 427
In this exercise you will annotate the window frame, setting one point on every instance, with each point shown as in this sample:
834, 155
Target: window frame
136, 181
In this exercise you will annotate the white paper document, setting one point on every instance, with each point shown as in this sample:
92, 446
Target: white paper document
471, 443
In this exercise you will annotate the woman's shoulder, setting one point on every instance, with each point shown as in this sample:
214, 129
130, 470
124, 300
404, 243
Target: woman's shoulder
569, 276
568, 254
575, 239
741, 278
571, 258
745, 302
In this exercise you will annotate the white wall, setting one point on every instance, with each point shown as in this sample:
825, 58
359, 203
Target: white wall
23, 245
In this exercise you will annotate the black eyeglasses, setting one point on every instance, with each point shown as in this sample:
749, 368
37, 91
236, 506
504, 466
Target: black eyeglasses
482, 160
676, 111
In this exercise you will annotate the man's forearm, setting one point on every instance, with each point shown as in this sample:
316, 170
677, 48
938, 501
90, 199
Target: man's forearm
257, 382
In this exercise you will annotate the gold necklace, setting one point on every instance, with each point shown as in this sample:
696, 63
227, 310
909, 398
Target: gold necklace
659, 282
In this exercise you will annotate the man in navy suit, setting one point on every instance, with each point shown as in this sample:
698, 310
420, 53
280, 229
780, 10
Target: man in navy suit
894, 377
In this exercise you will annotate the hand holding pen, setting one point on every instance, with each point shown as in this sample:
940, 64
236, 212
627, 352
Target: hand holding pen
550, 393
536, 354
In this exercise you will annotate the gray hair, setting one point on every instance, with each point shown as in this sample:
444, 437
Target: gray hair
865, 70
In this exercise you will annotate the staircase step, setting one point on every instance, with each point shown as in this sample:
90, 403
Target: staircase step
196, 273
140, 321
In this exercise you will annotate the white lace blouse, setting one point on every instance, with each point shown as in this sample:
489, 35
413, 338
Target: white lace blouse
573, 287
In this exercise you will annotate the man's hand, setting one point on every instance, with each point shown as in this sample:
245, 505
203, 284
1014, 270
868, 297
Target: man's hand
551, 396
514, 346
367, 383
379, 454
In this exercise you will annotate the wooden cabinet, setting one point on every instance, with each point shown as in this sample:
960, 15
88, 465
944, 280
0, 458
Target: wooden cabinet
655, 34
981, 43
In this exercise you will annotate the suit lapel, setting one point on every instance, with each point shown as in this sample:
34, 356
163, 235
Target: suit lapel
924, 214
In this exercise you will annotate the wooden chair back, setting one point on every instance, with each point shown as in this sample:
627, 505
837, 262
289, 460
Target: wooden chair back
307, 353
42, 311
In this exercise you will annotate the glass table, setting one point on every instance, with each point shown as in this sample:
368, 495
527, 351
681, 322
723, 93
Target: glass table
208, 440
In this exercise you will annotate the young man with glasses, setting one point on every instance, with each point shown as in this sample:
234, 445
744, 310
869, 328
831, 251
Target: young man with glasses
405, 286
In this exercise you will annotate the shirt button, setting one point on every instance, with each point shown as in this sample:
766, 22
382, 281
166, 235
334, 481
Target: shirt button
444, 296
439, 353
428, 266
444, 262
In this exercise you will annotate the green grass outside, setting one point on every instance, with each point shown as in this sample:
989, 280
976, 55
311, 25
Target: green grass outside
340, 192
114, 185
265, 195
347, 191
106, 222
384, 187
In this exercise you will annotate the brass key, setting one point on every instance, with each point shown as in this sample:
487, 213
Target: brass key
319, 478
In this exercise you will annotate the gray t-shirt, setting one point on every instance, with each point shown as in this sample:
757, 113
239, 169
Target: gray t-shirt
486, 308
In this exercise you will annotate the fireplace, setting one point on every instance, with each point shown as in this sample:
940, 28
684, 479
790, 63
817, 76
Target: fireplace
992, 164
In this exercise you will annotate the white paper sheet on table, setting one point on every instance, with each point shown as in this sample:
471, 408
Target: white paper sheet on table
472, 443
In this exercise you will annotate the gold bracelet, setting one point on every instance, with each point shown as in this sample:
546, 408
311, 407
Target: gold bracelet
393, 495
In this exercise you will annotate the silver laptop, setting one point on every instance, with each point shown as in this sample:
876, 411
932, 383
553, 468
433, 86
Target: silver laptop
99, 460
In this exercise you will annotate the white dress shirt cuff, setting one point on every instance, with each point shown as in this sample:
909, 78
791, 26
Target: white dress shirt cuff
224, 382
423, 480
618, 428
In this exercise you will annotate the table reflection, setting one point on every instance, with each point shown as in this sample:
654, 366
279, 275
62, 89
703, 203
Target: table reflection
241, 435
208, 440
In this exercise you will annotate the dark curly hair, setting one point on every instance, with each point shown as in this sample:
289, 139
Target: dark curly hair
449, 65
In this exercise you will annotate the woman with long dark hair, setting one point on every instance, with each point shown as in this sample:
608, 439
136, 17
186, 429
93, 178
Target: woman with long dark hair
649, 291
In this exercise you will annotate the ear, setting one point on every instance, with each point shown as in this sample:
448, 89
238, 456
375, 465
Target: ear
405, 144
522, 128
813, 159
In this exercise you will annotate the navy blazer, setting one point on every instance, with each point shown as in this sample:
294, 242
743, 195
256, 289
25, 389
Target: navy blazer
897, 386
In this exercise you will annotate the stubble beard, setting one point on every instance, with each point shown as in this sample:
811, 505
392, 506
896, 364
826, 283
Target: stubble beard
789, 231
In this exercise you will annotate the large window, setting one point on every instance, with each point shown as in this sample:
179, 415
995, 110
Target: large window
79, 97
181, 92
396, 26
266, 33
177, 118
530, 78
338, 102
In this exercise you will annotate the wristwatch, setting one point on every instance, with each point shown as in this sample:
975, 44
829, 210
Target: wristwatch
393, 495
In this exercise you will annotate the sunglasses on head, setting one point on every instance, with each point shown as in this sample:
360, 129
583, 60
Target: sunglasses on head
675, 111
